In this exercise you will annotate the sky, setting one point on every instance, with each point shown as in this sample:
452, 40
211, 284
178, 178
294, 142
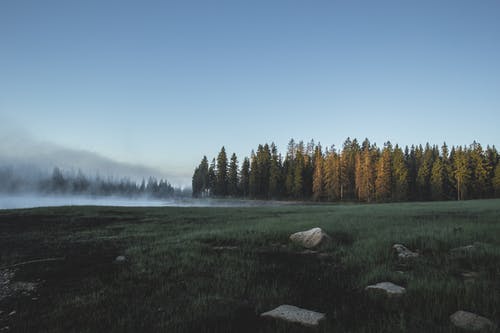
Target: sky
162, 83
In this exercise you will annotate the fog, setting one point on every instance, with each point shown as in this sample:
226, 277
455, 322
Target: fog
20, 150
33, 200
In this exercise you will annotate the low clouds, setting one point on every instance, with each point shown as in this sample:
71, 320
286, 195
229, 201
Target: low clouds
20, 150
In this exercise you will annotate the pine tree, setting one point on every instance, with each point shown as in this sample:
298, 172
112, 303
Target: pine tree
400, 175
424, 174
253, 183
447, 173
212, 180
496, 181
245, 177
383, 183
366, 172
479, 171
437, 180
233, 176
332, 175
221, 174
461, 172
318, 177
275, 183
298, 180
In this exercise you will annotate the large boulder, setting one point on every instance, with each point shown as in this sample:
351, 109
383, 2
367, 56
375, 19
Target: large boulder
403, 253
471, 322
293, 314
313, 238
387, 289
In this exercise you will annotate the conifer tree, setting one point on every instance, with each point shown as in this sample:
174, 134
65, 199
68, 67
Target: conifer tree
318, 177
496, 181
212, 180
479, 171
437, 180
383, 183
400, 175
245, 178
298, 180
253, 185
233, 176
332, 175
221, 174
461, 172
275, 183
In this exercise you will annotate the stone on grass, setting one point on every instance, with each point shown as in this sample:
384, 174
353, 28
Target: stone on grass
403, 252
293, 314
224, 248
120, 259
310, 239
388, 289
464, 250
471, 322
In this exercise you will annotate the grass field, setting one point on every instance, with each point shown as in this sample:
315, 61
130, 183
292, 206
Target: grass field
174, 280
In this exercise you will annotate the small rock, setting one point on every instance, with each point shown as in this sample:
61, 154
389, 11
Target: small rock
120, 259
467, 249
12, 313
389, 289
308, 252
293, 314
403, 252
34, 298
225, 248
472, 322
310, 239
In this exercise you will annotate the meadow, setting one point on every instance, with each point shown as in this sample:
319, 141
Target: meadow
216, 269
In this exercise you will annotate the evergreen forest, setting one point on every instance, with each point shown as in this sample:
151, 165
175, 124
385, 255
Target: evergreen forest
356, 172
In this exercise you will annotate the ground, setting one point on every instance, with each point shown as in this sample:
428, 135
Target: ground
217, 269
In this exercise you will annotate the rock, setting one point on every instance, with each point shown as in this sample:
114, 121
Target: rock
293, 314
472, 322
120, 259
388, 289
13, 312
310, 239
308, 252
469, 277
403, 252
466, 250
225, 248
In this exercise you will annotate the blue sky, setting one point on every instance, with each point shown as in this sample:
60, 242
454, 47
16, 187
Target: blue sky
162, 83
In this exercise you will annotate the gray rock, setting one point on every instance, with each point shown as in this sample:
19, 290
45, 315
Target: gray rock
464, 250
313, 238
472, 322
225, 248
120, 259
388, 289
403, 252
293, 314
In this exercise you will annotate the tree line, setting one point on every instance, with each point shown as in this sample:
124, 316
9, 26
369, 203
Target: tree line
356, 172
60, 182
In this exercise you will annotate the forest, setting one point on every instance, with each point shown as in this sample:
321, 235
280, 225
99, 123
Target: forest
78, 183
356, 172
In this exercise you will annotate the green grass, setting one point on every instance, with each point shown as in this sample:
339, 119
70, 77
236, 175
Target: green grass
174, 281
